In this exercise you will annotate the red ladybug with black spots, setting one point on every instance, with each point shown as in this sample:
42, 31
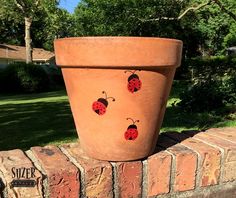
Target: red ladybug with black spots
132, 131
101, 104
134, 83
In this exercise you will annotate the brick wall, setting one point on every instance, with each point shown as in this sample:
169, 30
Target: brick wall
190, 164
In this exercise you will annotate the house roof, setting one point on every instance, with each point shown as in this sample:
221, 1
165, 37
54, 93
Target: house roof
18, 53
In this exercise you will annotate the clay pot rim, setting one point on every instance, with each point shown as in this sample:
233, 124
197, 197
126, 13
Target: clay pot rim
118, 52
117, 38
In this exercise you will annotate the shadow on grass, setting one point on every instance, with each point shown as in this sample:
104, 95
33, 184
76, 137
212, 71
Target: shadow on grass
26, 125
177, 120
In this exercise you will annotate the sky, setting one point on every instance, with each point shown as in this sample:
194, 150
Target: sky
69, 5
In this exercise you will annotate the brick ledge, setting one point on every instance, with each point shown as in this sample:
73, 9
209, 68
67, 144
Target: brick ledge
190, 164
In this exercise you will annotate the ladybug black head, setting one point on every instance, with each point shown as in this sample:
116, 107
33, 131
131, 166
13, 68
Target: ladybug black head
104, 100
133, 126
132, 77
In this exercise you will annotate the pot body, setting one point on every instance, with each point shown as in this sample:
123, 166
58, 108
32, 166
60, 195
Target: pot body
117, 96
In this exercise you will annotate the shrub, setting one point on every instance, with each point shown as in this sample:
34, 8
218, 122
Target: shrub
207, 67
196, 67
212, 86
1, 80
55, 75
202, 96
26, 78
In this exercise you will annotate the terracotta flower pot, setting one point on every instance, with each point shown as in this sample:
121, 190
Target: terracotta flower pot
118, 88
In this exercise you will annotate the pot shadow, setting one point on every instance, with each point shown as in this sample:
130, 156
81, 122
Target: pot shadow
171, 138
25, 125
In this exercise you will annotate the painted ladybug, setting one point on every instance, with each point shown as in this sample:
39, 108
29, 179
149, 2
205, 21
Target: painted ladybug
132, 132
101, 104
134, 83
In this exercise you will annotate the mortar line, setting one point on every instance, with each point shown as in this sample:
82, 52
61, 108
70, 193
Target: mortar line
172, 171
144, 178
81, 171
115, 180
38, 166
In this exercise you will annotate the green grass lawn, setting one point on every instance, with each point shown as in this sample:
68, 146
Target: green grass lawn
35, 119
45, 118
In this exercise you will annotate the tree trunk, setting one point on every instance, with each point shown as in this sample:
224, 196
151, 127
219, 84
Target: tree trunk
28, 47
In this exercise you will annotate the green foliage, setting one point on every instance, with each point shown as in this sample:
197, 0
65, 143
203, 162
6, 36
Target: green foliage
215, 27
13, 35
22, 77
212, 86
48, 22
127, 18
202, 96
211, 67
58, 24
230, 38
55, 76
209, 29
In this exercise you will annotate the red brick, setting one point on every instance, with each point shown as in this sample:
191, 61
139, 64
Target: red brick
185, 161
209, 161
158, 173
62, 175
129, 177
185, 167
228, 133
231, 130
229, 158
97, 174
17, 159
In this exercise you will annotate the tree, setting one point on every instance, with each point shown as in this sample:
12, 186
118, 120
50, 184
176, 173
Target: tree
123, 17
57, 25
216, 27
17, 10
197, 7
12, 35
186, 20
